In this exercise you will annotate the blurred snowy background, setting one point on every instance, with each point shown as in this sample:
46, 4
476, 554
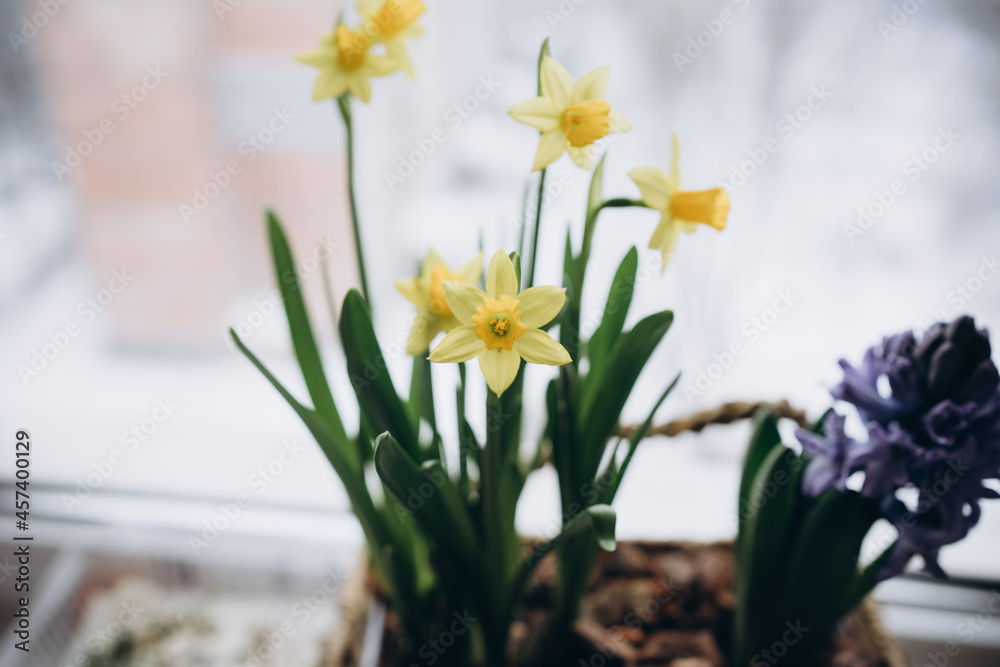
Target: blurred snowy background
858, 141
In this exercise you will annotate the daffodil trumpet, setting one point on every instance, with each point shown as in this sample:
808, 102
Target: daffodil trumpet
680, 210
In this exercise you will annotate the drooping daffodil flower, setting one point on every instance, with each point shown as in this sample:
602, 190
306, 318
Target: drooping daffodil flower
346, 63
680, 210
426, 292
501, 325
570, 117
392, 22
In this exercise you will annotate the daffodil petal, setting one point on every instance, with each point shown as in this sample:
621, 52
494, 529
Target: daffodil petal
367, 7
463, 298
540, 304
582, 156
380, 66
668, 245
425, 327
550, 147
688, 227
461, 344
666, 227
500, 278
540, 113
499, 368
653, 186
360, 87
396, 49
472, 271
591, 86
410, 288
430, 261
329, 83
320, 57
537, 347
618, 121
675, 161
557, 84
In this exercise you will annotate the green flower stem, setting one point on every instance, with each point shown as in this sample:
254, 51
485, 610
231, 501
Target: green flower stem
344, 103
529, 281
588, 235
493, 524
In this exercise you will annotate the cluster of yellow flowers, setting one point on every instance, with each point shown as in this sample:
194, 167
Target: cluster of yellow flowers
347, 58
501, 326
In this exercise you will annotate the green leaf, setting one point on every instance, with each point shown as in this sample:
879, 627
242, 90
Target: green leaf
764, 439
369, 374
819, 426
765, 543
615, 310
597, 520
633, 444
303, 341
866, 579
341, 455
435, 504
824, 562
605, 393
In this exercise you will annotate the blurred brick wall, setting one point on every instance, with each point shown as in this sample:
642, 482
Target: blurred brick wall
166, 93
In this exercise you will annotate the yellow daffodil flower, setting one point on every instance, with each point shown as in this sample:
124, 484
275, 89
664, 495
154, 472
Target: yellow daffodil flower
392, 22
426, 292
501, 325
570, 117
680, 210
346, 63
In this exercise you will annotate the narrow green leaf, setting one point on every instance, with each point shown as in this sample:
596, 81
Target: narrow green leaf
765, 542
303, 341
823, 565
435, 504
605, 394
615, 310
597, 520
640, 433
866, 579
765, 437
369, 374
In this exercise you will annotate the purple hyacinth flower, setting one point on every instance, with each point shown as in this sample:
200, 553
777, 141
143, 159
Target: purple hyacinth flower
936, 430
